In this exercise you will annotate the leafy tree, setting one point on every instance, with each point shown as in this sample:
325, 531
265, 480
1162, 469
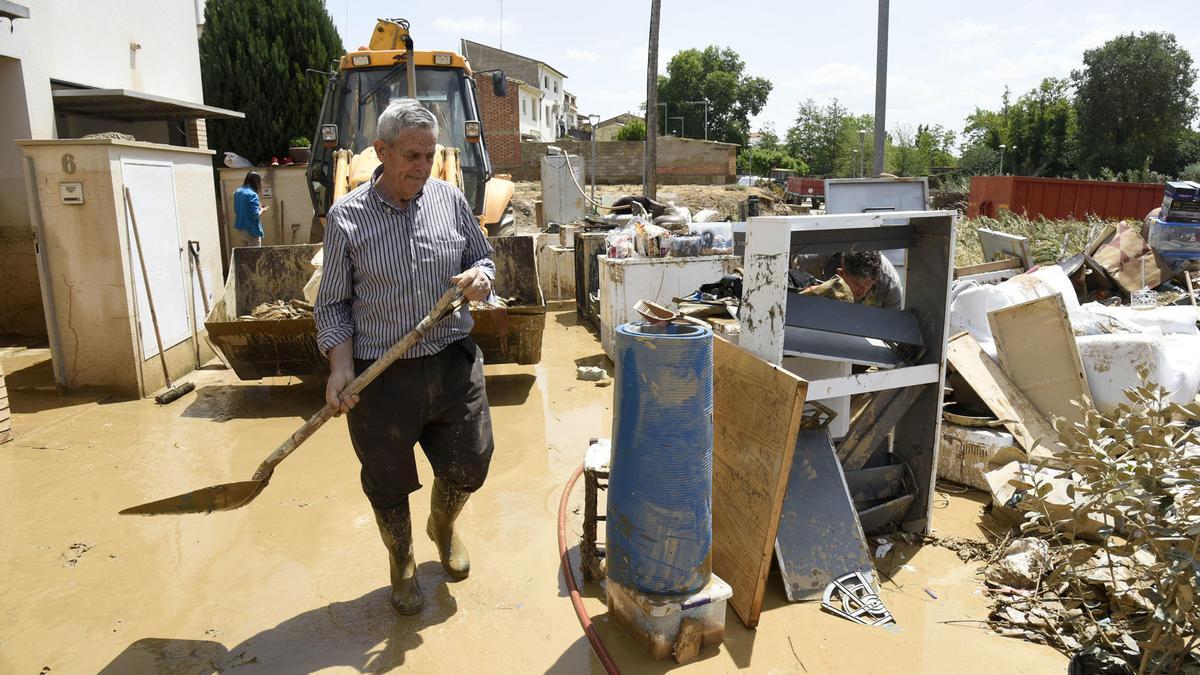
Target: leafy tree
717, 75
1042, 131
759, 160
253, 57
988, 127
978, 160
633, 130
915, 152
1135, 101
768, 153
816, 137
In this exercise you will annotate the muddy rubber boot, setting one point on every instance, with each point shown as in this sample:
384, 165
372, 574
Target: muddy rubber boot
395, 528
445, 503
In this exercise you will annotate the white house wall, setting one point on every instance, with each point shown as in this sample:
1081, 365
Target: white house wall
84, 42
550, 82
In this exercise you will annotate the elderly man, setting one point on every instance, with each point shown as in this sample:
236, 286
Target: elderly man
392, 248
871, 277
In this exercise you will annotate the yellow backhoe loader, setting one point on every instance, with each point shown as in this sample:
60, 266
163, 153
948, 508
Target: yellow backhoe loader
366, 81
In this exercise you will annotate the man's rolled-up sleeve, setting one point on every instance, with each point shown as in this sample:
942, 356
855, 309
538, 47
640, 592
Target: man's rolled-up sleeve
335, 323
478, 252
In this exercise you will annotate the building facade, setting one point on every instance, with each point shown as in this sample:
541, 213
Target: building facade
545, 114
501, 118
609, 128
74, 67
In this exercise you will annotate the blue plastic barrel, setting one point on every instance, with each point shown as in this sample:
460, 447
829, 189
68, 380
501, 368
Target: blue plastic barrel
659, 519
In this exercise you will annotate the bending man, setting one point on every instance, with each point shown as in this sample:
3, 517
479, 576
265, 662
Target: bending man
392, 248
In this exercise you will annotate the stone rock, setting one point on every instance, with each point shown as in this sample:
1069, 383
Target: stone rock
1022, 565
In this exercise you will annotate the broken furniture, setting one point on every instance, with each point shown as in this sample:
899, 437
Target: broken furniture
878, 195
6, 434
1004, 257
595, 479
625, 281
904, 353
589, 246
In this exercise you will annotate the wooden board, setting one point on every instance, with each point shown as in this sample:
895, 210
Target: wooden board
1003, 397
1038, 352
757, 408
873, 425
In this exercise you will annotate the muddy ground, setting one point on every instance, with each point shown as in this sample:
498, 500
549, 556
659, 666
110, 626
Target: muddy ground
297, 581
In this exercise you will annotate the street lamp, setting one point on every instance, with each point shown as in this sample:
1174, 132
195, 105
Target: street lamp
862, 147
594, 120
858, 159
680, 118
706, 104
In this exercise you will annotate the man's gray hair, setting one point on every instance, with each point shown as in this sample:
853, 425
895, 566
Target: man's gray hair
401, 115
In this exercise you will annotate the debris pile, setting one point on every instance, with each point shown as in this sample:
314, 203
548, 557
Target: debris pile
279, 310
1122, 593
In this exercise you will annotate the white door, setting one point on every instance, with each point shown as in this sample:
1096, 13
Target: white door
152, 191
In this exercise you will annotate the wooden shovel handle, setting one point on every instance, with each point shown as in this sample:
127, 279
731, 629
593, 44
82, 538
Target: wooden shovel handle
446, 305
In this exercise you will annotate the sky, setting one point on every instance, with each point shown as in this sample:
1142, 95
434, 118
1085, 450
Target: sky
946, 57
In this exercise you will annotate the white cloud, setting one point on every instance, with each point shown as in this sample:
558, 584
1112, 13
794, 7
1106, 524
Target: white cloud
583, 55
966, 30
833, 80
463, 26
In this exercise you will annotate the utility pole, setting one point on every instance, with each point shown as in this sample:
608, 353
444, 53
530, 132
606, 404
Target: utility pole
650, 161
881, 86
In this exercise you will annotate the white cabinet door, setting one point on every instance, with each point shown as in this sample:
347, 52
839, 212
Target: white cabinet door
152, 189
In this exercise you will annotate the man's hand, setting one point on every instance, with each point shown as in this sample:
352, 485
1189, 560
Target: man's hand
341, 374
474, 284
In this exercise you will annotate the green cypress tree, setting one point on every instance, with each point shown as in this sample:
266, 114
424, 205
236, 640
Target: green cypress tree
253, 58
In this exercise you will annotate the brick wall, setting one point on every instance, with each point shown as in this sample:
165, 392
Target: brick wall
501, 119
680, 160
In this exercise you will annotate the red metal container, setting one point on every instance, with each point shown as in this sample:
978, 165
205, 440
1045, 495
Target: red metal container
1061, 198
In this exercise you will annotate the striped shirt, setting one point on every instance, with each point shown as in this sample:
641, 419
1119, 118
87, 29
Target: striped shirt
385, 268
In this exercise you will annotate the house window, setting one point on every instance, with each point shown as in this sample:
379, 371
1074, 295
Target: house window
556, 86
546, 81
524, 112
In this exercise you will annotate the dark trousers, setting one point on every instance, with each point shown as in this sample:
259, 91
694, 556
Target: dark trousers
439, 401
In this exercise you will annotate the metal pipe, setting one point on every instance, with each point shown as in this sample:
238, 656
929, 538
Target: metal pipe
49, 309
881, 86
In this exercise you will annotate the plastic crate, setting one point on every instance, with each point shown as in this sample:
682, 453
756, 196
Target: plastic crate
1173, 237
654, 620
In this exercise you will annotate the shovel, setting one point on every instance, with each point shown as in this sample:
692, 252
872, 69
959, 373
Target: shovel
229, 496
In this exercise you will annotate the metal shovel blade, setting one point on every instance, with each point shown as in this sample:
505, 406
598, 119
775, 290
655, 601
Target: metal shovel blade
224, 497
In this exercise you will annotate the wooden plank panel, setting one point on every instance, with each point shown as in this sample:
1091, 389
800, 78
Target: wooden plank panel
1038, 353
1006, 401
757, 408
885, 410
